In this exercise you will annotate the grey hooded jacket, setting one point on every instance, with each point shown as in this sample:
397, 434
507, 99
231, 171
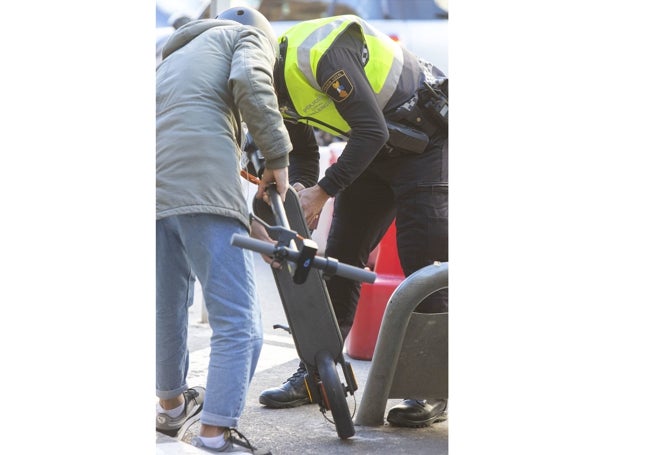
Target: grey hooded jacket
215, 75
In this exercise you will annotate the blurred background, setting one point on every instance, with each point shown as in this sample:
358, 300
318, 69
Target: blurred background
420, 25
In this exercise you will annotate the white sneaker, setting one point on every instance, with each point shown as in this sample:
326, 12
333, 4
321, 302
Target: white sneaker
233, 444
193, 405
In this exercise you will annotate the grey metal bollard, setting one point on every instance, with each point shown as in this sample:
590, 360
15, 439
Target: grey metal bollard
406, 297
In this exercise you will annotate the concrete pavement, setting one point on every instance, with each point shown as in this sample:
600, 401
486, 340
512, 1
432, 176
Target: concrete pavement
302, 430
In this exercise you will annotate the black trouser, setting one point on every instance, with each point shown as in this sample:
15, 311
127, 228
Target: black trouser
412, 189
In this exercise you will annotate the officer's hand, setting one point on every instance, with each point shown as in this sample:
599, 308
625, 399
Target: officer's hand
312, 200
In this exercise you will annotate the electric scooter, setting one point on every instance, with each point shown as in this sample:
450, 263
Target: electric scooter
307, 305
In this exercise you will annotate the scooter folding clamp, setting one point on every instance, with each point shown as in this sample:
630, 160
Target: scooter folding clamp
305, 260
283, 235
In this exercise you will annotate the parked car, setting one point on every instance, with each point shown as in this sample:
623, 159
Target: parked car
420, 25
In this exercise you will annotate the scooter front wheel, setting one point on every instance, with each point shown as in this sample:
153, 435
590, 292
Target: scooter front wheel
333, 393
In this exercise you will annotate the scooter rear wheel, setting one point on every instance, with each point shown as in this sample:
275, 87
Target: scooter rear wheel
334, 394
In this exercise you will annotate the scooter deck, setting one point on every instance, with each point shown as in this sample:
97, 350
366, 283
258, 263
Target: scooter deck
307, 306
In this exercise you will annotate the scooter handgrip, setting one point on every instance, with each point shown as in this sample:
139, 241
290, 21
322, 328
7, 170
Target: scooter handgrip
243, 241
355, 273
333, 267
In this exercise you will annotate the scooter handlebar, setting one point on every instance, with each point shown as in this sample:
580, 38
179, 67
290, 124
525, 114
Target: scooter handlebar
329, 265
250, 243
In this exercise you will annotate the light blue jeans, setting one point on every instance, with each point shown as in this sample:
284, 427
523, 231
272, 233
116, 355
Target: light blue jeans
198, 246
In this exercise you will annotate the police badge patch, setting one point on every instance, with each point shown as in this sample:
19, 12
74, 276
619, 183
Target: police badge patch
338, 87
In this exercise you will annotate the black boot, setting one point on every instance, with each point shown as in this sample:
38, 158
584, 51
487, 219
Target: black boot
417, 413
291, 394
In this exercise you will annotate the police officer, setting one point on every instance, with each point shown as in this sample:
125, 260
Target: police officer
342, 76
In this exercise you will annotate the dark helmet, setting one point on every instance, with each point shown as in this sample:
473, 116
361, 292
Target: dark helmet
252, 17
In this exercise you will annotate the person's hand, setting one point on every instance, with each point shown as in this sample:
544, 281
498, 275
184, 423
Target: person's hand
278, 176
312, 200
259, 232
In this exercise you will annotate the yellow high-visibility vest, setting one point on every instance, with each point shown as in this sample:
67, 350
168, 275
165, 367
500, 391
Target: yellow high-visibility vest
306, 44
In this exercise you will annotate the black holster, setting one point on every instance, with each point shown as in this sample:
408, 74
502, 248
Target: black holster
425, 115
408, 139
433, 100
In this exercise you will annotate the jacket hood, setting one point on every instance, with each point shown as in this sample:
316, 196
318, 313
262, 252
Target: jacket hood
189, 31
